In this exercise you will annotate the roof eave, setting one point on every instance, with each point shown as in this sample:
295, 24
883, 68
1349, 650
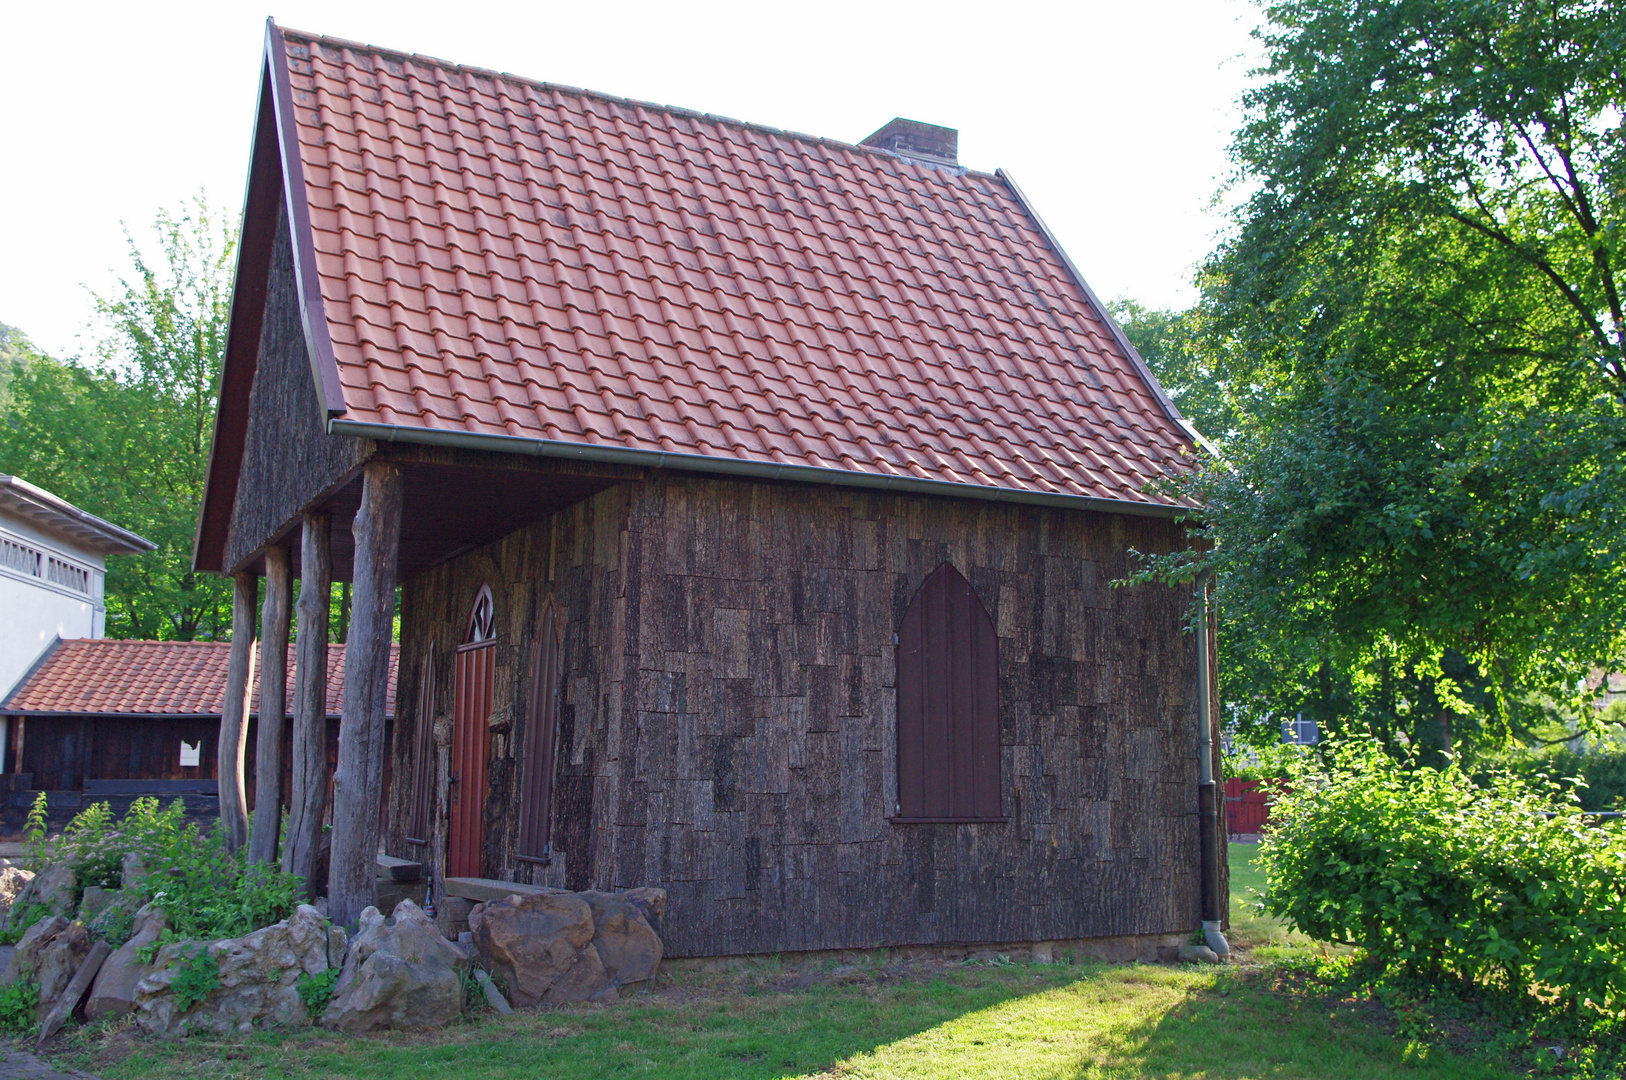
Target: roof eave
757, 470
58, 514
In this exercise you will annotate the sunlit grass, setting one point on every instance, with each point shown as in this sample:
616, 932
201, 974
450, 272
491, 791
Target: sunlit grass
875, 1020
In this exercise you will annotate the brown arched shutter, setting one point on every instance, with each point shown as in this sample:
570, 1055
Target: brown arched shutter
542, 739
421, 816
948, 704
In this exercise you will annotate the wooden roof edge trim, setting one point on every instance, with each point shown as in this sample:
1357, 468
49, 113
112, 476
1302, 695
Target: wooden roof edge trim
758, 470
33, 669
244, 320
312, 309
1118, 335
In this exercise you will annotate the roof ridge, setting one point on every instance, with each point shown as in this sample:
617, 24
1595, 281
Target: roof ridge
617, 99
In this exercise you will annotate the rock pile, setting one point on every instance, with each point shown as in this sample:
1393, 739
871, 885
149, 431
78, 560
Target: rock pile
555, 947
401, 973
258, 977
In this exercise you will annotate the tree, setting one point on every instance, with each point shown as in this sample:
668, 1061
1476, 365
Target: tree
126, 435
1417, 323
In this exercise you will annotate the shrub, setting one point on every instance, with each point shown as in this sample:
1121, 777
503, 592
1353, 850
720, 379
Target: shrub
315, 991
196, 977
1422, 868
19, 919
204, 890
18, 1003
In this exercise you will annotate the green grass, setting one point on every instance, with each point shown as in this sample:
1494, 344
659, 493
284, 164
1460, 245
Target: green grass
1093, 1022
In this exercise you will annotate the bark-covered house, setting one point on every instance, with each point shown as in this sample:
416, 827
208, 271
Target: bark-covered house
755, 501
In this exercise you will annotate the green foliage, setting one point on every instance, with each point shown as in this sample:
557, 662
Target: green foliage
204, 890
18, 1004
114, 924
197, 976
19, 919
35, 854
1418, 325
1269, 762
126, 433
1429, 872
91, 848
315, 991
1172, 344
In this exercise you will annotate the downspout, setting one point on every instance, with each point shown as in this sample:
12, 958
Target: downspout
1208, 827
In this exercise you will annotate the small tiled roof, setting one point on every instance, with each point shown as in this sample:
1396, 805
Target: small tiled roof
104, 677
508, 258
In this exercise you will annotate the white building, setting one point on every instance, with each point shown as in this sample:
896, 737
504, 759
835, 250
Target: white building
53, 559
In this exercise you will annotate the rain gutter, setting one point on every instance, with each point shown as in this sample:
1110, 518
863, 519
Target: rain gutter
755, 470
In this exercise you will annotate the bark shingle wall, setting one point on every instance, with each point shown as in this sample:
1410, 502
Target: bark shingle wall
730, 707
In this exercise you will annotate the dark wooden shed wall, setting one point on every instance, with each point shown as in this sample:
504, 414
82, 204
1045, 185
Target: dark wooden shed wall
288, 459
729, 705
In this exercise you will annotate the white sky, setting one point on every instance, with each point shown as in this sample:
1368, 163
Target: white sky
1114, 117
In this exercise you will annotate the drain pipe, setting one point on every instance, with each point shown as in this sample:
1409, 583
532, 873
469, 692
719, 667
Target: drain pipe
1208, 827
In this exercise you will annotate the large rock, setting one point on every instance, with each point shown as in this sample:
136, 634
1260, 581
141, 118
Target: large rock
25, 958
401, 973
51, 888
13, 879
114, 991
58, 962
540, 947
259, 975
626, 943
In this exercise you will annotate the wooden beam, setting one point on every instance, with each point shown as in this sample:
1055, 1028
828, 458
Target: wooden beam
308, 798
234, 715
262, 841
357, 784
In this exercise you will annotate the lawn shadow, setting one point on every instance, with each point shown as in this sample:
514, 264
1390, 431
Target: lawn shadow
1241, 1028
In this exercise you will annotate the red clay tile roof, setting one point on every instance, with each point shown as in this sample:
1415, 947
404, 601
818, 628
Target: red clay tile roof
104, 677
502, 257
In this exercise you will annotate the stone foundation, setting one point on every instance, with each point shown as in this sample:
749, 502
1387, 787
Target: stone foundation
1142, 948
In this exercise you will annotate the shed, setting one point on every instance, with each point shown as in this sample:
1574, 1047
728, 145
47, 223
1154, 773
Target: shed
755, 499
112, 720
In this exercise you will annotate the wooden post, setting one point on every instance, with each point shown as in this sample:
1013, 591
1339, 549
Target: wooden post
262, 839
234, 713
308, 797
360, 775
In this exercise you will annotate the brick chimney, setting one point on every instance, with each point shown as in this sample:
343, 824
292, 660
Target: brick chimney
914, 141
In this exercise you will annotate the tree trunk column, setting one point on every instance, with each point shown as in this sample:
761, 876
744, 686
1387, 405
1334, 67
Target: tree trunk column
359, 779
234, 713
262, 841
307, 799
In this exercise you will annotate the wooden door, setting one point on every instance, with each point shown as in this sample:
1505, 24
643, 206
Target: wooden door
471, 738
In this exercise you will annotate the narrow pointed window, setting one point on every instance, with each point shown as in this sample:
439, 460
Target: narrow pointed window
948, 705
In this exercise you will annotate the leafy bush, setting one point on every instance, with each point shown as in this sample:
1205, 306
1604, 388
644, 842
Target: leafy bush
315, 991
19, 919
18, 1004
1425, 869
204, 890
197, 976
35, 853
114, 924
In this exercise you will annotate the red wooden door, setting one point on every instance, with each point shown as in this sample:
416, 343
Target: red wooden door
471, 739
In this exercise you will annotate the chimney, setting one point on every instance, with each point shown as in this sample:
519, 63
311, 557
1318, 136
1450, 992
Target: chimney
914, 141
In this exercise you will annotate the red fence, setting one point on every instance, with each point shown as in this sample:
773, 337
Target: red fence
1247, 807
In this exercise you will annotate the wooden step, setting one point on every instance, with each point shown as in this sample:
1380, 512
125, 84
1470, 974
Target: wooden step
399, 869
484, 890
